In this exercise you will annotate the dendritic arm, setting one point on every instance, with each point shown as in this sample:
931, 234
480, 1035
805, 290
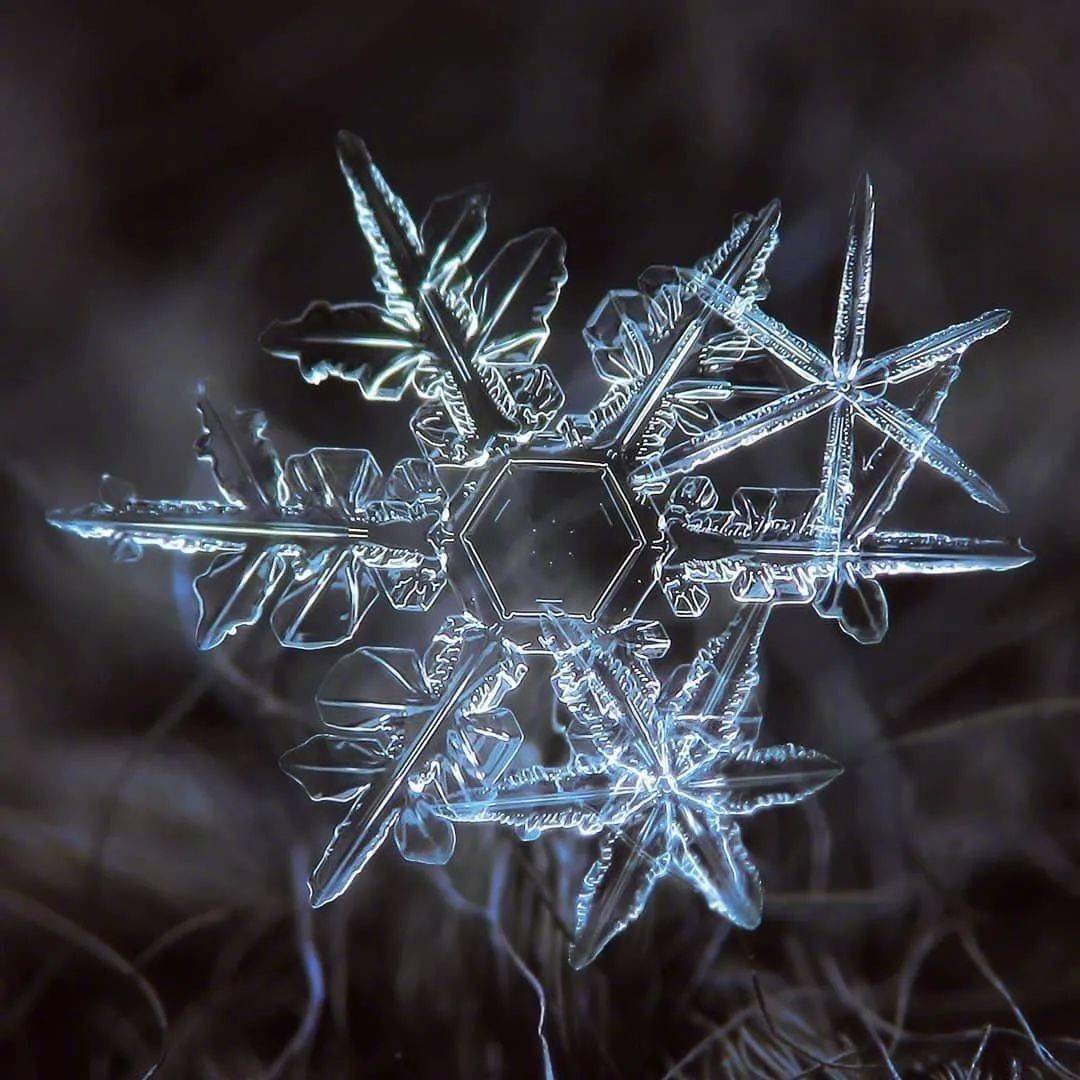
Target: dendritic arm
665, 355
706, 700
921, 441
470, 347
710, 854
849, 337
313, 540
609, 690
744, 430
751, 780
585, 794
899, 365
617, 886
378, 690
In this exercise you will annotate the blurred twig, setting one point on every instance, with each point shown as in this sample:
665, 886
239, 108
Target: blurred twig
53, 922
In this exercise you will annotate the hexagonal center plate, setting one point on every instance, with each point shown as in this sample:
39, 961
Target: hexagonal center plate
552, 533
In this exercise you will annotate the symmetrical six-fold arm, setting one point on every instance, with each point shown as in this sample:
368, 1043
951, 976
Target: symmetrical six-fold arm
507, 483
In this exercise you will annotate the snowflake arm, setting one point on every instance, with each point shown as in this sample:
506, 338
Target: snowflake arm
607, 682
579, 795
618, 885
899, 365
885, 472
770, 548
711, 856
921, 442
835, 485
708, 698
438, 731
316, 539
766, 547
751, 780
849, 338
750, 427
468, 347
849, 335
662, 350
804, 359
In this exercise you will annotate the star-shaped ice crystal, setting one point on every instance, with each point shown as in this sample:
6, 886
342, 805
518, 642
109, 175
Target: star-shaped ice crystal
845, 383
663, 773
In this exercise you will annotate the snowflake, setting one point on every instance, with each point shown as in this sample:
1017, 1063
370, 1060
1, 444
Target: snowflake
597, 507
845, 383
664, 773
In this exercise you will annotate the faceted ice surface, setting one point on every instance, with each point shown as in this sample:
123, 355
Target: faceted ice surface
552, 534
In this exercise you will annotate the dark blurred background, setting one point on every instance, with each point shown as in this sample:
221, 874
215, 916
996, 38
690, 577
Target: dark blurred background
169, 187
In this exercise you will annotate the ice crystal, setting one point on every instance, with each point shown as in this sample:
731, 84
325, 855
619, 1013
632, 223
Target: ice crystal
799, 546
467, 346
669, 771
551, 529
407, 735
320, 536
845, 383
